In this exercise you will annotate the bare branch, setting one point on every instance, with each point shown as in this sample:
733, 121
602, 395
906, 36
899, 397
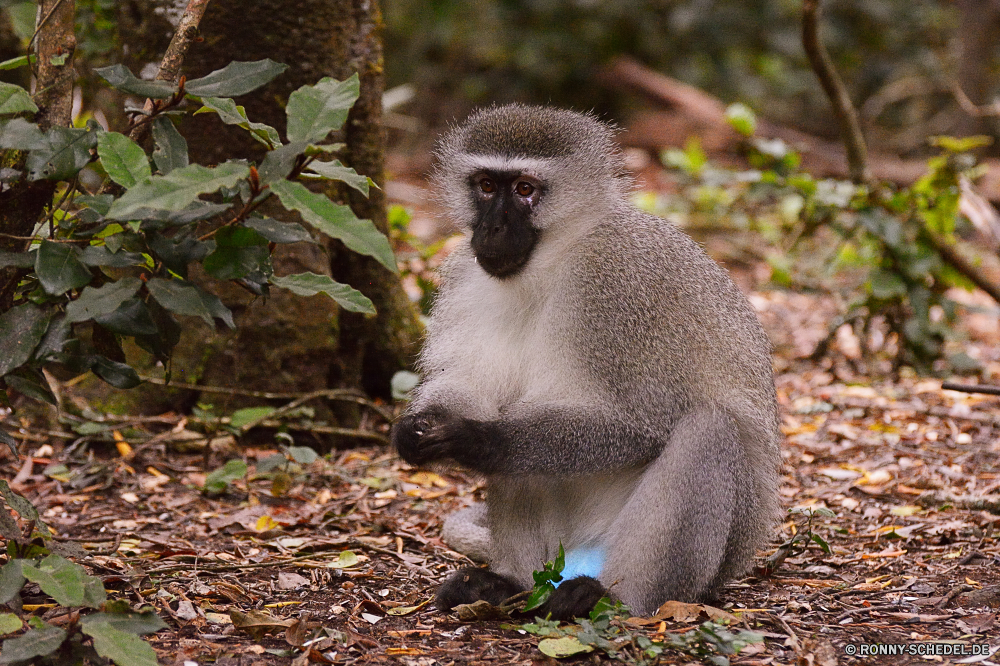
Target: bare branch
833, 86
970, 107
964, 266
173, 59
187, 31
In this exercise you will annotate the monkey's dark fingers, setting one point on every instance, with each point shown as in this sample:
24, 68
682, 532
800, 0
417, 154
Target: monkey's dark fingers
408, 437
575, 597
472, 584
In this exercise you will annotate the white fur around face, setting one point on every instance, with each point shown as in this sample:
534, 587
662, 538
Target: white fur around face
527, 165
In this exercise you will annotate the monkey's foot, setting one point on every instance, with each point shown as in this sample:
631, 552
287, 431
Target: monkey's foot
575, 597
471, 584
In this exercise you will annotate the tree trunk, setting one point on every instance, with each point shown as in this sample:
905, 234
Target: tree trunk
979, 21
291, 343
22, 202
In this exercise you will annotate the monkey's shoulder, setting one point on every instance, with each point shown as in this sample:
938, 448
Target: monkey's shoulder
645, 256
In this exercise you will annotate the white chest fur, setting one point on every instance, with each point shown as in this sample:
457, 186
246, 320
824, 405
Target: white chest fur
494, 340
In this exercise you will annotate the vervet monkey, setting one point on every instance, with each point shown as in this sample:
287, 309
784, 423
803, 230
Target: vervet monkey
606, 377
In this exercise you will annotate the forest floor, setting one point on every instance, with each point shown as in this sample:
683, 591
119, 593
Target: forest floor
334, 560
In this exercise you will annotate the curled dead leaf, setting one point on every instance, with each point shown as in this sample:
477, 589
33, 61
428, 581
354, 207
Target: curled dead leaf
258, 623
480, 611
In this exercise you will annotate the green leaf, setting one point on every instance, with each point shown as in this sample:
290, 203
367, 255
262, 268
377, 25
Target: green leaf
303, 455
241, 417
64, 581
171, 149
953, 144
33, 643
9, 529
277, 231
121, 647
132, 317
100, 203
65, 151
315, 111
345, 560
567, 646
310, 284
146, 622
9, 623
197, 210
20, 134
278, 163
15, 99
885, 284
239, 251
11, 443
176, 190
185, 298
101, 255
218, 480
233, 114
821, 542
31, 383
17, 259
11, 580
119, 375
123, 159
177, 253
21, 329
168, 334
336, 221
337, 171
741, 118
119, 77
97, 301
24, 508
545, 580
19, 61
59, 268
235, 79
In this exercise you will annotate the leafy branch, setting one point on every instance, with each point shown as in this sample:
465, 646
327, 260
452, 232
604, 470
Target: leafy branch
117, 262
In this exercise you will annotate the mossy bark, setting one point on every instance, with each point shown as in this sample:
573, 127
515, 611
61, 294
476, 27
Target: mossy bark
22, 203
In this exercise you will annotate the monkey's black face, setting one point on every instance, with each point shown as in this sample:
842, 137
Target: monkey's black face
502, 234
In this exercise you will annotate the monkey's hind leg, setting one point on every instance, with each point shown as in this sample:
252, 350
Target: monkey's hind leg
690, 521
471, 584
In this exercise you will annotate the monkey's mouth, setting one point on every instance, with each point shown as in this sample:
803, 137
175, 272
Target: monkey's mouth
502, 266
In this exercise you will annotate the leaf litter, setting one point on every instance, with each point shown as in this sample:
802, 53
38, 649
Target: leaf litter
337, 562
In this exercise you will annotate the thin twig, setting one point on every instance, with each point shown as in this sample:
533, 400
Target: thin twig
284, 409
836, 91
971, 388
791, 634
955, 591
978, 277
45, 20
349, 543
970, 107
340, 395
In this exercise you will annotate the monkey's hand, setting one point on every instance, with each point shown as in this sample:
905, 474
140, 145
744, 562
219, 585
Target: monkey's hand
436, 434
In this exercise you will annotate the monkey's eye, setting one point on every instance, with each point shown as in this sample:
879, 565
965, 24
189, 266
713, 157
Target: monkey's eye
524, 188
487, 186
